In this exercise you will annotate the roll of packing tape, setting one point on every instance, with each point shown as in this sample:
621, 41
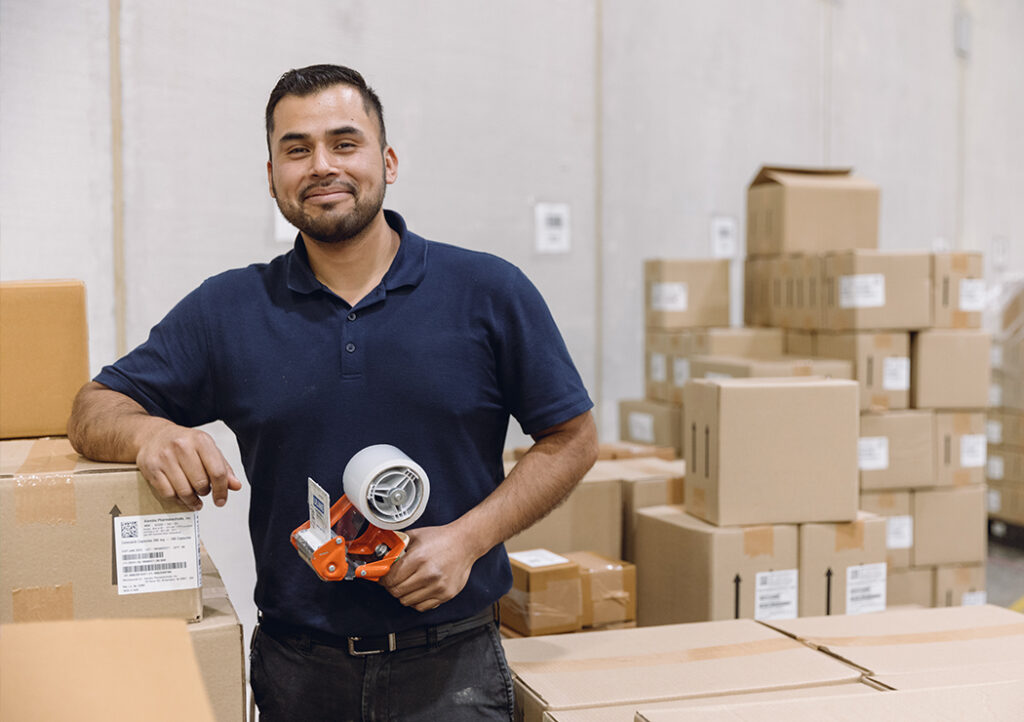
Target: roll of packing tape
386, 486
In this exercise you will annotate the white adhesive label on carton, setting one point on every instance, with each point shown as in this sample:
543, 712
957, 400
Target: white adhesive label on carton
775, 594
994, 431
995, 395
658, 368
994, 500
669, 296
157, 552
974, 599
680, 371
862, 290
865, 588
972, 294
973, 448
996, 468
538, 558
641, 427
873, 453
899, 532
896, 373
319, 509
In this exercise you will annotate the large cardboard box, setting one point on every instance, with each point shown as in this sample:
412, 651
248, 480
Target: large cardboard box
719, 367
881, 365
658, 664
80, 539
686, 293
950, 370
895, 507
645, 482
875, 291
590, 518
958, 282
651, 422
810, 210
44, 344
960, 585
219, 648
961, 451
692, 571
896, 450
911, 586
915, 640
609, 589
767, 451
101, 669
546, 595
842, 567
756, 292
949, 526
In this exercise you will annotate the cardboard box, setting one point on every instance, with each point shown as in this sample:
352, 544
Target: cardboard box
881, 365
686, 293
692, 571
101, 669
896, 450
756, 292
801, 343
718, 367
999, 700
950, 370
61, 556
546, 595
657, 348
895, 507
842, 567
796, 297
960, 585
958, 280
875, 291
44, 343
911, 586
771, 451
916, 640
748, 342
645, 482
961, 449
810, 210
676, 662
590, 518
219, 648
651, 422
609, 589
949, 526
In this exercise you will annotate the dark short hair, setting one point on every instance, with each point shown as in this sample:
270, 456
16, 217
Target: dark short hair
317, 78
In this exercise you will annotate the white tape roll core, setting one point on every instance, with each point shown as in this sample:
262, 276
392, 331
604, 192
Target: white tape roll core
386, 486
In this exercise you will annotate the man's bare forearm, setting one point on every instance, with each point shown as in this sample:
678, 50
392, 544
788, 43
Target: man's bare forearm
106, 425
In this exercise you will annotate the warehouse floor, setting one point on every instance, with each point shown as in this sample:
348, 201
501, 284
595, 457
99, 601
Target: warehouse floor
1005, 575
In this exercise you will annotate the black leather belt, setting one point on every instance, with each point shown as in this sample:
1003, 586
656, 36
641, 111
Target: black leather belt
362, 646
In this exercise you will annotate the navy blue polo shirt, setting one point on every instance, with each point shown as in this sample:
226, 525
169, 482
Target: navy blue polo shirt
434, 361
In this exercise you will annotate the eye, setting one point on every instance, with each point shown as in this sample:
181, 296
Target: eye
345, 145
298, 150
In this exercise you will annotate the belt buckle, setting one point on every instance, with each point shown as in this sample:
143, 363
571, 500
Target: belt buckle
366, 653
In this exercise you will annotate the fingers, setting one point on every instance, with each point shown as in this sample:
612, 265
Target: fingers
186, 464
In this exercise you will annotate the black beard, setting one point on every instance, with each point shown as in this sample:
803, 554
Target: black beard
335, 230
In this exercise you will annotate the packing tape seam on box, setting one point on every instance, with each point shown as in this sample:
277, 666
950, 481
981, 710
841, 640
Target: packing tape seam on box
44, 499
759, 541
654, 659
951, 635
43, 604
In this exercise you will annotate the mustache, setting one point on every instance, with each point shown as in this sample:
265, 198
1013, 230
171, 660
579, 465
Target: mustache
330, 185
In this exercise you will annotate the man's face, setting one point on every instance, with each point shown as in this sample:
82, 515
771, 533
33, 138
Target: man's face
327, 170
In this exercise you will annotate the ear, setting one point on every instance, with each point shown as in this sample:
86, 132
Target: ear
270, 178
390, 165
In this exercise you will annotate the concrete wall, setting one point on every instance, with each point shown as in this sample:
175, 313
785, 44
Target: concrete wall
647, 117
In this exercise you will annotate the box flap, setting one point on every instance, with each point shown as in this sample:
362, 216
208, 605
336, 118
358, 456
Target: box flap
807, 176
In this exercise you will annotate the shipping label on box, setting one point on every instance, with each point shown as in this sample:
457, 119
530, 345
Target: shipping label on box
686, 293
961, 448
881, 365
871, 290
896, 450
842, 567
959, 290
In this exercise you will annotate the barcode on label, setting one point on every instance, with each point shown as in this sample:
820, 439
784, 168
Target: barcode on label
129, 529
142, 555
135, 569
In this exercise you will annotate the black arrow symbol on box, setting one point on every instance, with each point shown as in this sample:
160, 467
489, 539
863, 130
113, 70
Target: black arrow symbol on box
114, 513
736, 582
828, 591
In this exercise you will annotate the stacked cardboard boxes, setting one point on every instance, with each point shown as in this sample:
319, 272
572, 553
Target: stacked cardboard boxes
1005, 428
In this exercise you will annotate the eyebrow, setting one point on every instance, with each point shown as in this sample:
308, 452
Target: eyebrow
333, 132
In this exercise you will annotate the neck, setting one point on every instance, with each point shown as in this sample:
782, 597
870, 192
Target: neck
353, 268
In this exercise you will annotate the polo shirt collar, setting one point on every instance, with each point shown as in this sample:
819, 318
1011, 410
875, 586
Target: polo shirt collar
407, 269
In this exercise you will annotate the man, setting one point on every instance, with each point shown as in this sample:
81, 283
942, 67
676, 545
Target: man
364, 333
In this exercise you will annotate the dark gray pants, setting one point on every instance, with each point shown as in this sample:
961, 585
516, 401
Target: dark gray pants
462, 677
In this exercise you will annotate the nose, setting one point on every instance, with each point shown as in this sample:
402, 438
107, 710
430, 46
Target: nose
322, 161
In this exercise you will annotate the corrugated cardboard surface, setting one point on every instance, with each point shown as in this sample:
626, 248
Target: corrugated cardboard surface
996, 671
950, 370
125, 669
750, 342
908, 437
692, 571
949, 526
44, 344
783, 366
56, 537
905, 298
873, 355
766, 451
219, 647
949, 271
706, 291
801, 343
645, 482
827, 551
609, 589
996, 701
660, 664
651, 422
543, 600
898, 642
950, 430
910, 586
895, 507
959, 584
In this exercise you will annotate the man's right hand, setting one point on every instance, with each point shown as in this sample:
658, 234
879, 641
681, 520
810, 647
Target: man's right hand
186, 464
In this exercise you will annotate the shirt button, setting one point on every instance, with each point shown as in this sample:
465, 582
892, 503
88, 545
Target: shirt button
352, 316
350, 347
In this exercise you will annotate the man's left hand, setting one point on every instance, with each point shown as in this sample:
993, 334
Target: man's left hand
434, 568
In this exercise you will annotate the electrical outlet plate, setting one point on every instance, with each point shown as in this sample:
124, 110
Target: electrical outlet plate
551, 227
724, 235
